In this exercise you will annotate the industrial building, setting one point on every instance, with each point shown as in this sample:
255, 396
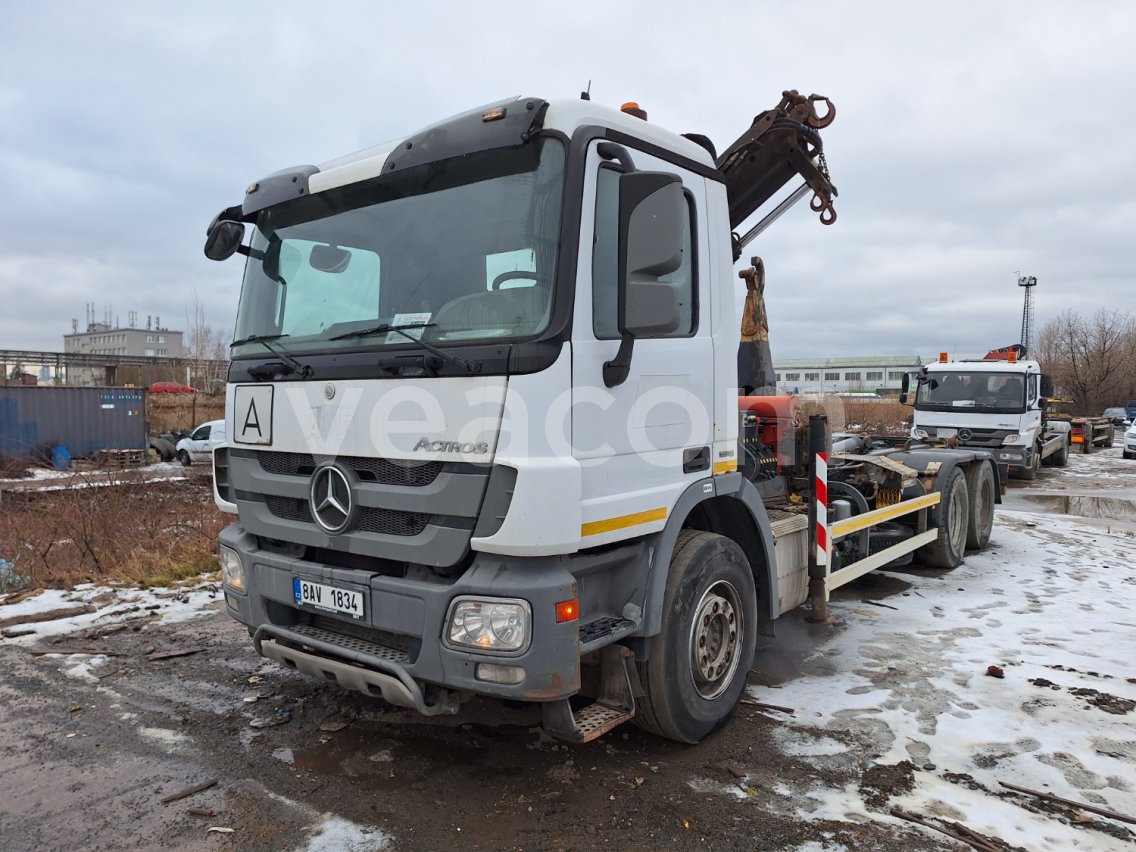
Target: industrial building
853, 374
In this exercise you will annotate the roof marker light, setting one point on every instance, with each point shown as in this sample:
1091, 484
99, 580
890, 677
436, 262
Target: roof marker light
495, 114
632, 108
942, 357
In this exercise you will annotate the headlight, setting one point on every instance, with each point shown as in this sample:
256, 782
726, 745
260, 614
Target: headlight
921, 433
232, 569
488, 624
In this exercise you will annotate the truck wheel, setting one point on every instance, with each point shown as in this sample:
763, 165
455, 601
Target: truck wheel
980, 518
1029, 473
1111, 436
1087, 443
699, 661
184, 458
949, 548
1061, 457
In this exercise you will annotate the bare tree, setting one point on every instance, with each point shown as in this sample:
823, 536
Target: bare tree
206, 347
1092, 360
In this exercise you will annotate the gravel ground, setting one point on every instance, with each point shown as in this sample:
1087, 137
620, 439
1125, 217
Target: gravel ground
91, 743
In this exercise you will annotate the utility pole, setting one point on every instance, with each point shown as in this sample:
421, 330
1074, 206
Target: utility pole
1028, 283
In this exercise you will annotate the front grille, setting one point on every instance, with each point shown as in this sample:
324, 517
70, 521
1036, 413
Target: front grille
289, 509
391, 522
382, 471
987, 438
382, 521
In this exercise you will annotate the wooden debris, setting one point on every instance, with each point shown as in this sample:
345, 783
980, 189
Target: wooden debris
760, 706
884, 605
333, 725
205, 812
1081, 805
220, 829
189, 791
40, 650
46, 615
17, 597
16, 632
956, 830
166, 655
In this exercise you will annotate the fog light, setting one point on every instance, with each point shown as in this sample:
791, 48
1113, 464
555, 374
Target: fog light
488, 624
493, 673
232, 569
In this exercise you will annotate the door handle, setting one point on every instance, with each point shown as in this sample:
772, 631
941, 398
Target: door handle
696, 460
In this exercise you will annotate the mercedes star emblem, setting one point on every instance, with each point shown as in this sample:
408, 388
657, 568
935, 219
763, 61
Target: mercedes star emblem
964, 434
330, 499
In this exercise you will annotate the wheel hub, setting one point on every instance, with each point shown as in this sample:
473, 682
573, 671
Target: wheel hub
714, 639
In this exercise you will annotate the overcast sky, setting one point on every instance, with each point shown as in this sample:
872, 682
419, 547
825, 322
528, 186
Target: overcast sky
973, 140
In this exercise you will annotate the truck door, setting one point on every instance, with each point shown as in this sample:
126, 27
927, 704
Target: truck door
642, 442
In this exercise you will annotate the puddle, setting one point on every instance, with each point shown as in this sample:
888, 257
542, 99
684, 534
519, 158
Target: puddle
1082, 505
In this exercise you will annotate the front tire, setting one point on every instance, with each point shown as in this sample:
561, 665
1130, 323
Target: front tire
980, 517
700, 659
1061, 457
184, 458
1029, 474
949, 548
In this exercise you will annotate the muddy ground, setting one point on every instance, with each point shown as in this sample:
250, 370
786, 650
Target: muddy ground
91, 745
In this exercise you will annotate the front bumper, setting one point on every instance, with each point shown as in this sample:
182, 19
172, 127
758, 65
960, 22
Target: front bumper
396, 650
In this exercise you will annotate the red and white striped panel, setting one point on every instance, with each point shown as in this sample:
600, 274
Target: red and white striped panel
820, 487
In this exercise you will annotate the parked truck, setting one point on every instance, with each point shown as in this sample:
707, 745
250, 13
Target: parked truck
997, 403
484, 428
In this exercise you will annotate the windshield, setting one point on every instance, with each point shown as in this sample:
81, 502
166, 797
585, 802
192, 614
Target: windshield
458, 250
1001, 392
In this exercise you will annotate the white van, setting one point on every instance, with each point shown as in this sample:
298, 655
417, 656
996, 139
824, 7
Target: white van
199, 446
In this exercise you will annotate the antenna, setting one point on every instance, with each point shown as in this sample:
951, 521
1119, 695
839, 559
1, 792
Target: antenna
586, 95
1028, 283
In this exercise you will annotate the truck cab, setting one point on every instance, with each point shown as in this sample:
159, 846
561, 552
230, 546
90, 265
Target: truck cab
484, 422
995, 404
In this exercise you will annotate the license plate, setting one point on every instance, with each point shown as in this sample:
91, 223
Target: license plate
328, 598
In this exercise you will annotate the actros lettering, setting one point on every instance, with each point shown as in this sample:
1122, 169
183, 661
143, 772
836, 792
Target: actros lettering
450, 446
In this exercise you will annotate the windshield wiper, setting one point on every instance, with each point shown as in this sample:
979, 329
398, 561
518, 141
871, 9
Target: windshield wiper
468, 366
287, 360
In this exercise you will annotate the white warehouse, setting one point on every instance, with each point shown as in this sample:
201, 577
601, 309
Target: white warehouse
856, 374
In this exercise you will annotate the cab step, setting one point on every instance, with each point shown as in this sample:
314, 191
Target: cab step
615, 705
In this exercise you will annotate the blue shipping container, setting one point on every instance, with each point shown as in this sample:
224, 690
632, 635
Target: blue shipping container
86, 420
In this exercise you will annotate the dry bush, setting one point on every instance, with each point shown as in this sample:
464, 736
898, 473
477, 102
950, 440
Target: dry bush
148, 533
12, 467
871, 416
175, 412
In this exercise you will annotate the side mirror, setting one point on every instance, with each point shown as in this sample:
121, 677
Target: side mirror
905, 386
223, 239
1047, 386
652, 212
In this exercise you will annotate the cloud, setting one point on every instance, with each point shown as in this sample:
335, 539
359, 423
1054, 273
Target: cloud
972, 140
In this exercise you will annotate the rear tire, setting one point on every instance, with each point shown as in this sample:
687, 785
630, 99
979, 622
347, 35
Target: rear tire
980, 517
949, 548
1111, 436
700, 659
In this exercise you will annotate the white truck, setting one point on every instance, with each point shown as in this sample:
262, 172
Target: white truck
485, 435
997, 403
